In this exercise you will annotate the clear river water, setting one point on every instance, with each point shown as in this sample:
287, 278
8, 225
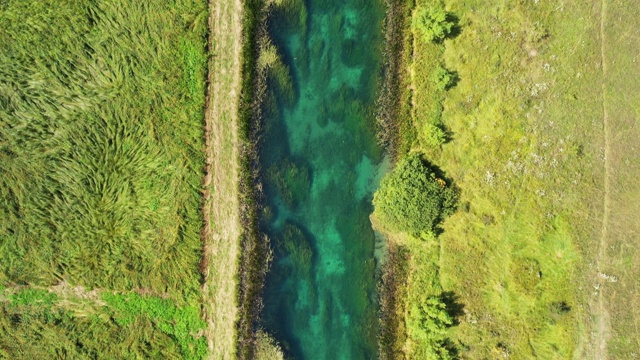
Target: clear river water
321, 164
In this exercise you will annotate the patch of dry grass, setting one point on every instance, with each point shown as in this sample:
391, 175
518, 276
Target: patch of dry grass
221, 198
617, 313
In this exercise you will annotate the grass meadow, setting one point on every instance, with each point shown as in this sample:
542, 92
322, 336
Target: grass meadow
101, 168
526, 257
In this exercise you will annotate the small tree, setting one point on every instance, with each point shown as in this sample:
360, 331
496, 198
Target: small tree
412, 199
443, 78
434, 135
432, 24
427, 324
430, 320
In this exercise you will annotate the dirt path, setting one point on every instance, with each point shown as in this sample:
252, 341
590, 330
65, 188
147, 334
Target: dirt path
603, 330
221, 232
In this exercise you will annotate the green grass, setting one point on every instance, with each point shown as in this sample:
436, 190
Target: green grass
181, 324
102, 144
524, 128
32, 297
101, 168
39, 324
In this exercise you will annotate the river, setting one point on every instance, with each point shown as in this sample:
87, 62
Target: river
321, 164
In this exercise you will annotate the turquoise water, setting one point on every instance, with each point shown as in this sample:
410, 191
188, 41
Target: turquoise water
321, 165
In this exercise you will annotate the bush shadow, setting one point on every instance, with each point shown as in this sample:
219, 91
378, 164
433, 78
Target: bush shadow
454, 307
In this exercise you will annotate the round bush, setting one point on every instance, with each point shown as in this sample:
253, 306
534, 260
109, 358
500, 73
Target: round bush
412, 199
432, 24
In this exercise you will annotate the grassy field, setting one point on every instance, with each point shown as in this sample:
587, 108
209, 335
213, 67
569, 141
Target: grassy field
539, 259
98, 186
101, 167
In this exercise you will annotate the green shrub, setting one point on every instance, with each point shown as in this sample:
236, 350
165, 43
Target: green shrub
434, 135
432, 24
412, 199
443, 78
427, 325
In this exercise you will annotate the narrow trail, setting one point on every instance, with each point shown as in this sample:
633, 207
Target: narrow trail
603, 331
221, 208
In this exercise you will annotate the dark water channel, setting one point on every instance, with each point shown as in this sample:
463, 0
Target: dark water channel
321, 165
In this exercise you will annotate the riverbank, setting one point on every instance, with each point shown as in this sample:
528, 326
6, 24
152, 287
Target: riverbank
235, 251
394, 132
221, 208
242, 249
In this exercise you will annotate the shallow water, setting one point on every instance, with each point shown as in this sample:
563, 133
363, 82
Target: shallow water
321, 164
